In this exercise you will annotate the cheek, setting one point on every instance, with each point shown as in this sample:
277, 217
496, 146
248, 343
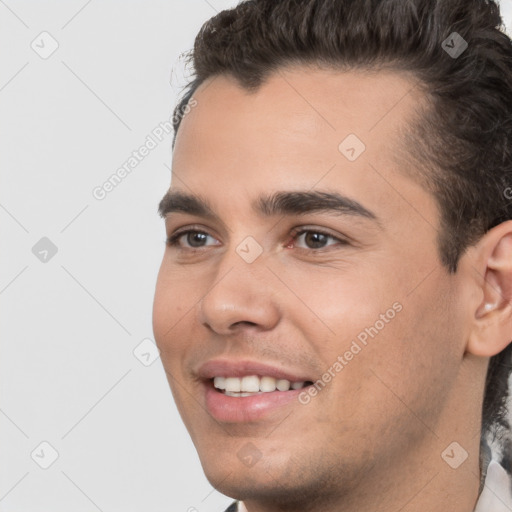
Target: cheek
169, 319
415, 359
399, 346
169, 312
338, 305
163, 308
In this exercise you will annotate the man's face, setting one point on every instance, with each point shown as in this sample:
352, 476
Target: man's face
353, 297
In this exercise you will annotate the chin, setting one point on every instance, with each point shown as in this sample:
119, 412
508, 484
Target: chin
252, 483
257, 484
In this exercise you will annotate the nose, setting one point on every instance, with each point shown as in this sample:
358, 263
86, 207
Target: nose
241, 294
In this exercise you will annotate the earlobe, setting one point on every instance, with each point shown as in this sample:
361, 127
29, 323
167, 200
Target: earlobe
492, 321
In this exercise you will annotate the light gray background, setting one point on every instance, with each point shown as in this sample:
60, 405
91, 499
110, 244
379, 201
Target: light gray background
71, 323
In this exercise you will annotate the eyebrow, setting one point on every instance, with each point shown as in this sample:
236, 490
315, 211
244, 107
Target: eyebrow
277, 203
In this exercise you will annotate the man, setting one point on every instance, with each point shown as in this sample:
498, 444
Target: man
334, 305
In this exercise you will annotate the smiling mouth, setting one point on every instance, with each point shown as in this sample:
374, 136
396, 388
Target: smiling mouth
251, 385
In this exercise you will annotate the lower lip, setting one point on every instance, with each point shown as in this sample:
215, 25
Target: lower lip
232, 409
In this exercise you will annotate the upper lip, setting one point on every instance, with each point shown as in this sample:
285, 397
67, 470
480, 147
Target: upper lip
241, 368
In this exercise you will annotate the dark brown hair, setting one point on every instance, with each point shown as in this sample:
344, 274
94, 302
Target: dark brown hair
461, 140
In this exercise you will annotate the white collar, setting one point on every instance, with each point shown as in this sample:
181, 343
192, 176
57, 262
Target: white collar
496, 495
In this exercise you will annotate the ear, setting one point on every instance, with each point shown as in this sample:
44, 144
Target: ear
491, 331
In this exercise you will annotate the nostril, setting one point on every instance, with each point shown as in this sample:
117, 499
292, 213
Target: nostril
243, 323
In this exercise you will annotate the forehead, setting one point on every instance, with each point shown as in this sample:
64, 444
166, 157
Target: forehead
300, 105
309, 100
294, 132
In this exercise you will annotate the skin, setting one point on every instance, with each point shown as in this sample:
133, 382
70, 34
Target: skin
372, 439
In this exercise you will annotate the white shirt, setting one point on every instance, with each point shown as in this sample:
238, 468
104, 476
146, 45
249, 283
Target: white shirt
496, 496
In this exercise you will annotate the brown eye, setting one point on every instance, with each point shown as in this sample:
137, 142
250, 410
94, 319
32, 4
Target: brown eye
315, 240
196, 238
190, 239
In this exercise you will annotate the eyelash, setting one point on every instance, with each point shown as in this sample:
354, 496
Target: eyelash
173, 240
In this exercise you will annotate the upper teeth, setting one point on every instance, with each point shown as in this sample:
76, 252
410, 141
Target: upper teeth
254, 384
